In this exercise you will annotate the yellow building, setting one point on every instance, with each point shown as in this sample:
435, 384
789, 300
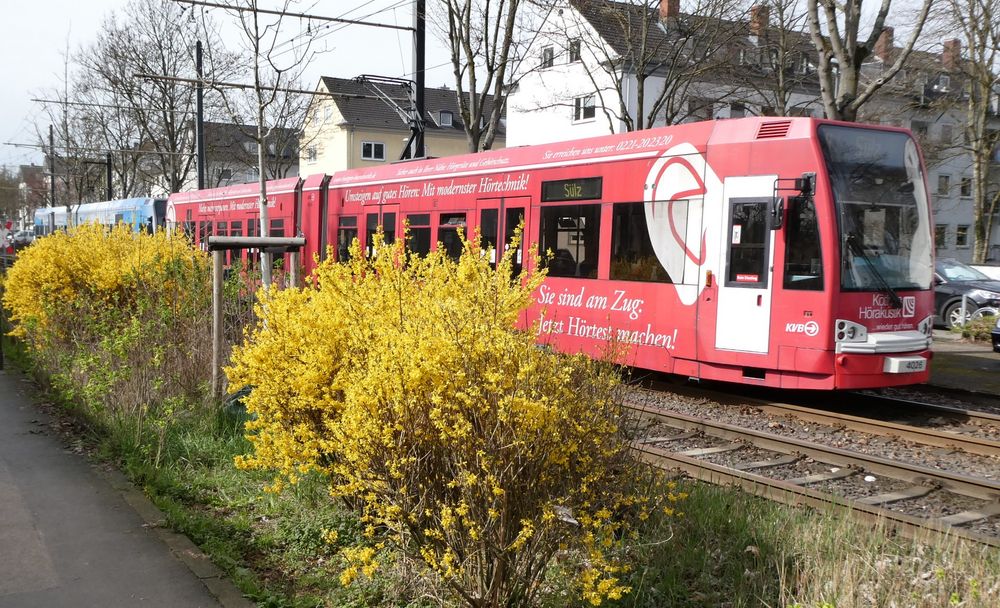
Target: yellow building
354, 128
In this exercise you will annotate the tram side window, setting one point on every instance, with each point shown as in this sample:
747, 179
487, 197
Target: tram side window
389, 227
803, 256
221, 229
236, 229
277, 228
572, 234
204, 231
632, 254
347, 231
371, 227
748, 239
448, 238
419, 237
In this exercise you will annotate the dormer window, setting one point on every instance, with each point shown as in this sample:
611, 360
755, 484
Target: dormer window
445, 118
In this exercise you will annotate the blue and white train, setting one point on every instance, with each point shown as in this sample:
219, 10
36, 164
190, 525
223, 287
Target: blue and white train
141, 213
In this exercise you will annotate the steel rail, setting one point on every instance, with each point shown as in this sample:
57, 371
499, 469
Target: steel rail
946, 439
977, 415
966, 485
792, 494
937, 438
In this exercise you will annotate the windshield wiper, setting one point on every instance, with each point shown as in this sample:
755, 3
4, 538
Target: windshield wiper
858, 250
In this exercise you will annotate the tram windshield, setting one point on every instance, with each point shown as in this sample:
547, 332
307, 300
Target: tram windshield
883, 212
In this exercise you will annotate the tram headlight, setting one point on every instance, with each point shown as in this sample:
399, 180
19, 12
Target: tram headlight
926, 326
849, 331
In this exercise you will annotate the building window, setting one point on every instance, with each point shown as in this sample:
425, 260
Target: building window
940, 236
804, 64
966, 189
961, 237
225, 175
311, 154
918, 127
372, 150
944, 184
584, 108
946, 134
445, 118
737, 110
574, 50
548, 55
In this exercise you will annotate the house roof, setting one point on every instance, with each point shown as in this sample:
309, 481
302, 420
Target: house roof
228, 139
354, 99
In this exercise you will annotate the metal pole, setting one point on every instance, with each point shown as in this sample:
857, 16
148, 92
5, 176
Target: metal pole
52, 166
3, 323
293, 261
199, 125
111, 192
418, 76
217, 262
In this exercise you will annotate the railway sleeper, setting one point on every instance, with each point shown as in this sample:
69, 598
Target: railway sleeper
714, 450
763, 464
965, 517
888, 497
818, 477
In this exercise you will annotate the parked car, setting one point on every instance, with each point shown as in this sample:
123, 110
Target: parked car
995, 336
952, 280
22, 238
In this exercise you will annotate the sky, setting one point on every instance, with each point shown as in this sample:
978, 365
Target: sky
34, 36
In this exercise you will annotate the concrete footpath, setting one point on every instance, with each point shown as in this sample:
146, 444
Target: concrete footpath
72, 535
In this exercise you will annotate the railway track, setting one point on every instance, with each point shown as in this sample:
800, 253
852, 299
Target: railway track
795, 471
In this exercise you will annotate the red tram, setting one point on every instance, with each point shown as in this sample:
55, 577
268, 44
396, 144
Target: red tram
785, 252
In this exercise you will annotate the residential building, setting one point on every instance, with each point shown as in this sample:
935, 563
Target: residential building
356, 124
600, 66
231, 154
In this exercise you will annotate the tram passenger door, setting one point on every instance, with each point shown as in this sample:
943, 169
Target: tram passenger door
746, 281
498, 220
384, 216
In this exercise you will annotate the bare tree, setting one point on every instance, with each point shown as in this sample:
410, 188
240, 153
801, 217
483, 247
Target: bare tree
273, 66
978, 24
482, 39
69, 146
775, 65
842, 53
148, 37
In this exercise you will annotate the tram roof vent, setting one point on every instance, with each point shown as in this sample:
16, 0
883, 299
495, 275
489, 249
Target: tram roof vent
772, 129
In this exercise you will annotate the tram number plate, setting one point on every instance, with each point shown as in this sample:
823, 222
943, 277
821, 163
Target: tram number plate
904, 365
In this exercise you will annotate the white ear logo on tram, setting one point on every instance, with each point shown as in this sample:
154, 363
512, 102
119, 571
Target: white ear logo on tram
677, 188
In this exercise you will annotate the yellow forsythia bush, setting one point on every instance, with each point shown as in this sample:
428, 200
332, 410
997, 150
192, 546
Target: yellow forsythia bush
89, 264
115, 318
465, 444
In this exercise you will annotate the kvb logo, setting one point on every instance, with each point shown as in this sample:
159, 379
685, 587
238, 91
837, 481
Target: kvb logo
909, 306
810, 328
